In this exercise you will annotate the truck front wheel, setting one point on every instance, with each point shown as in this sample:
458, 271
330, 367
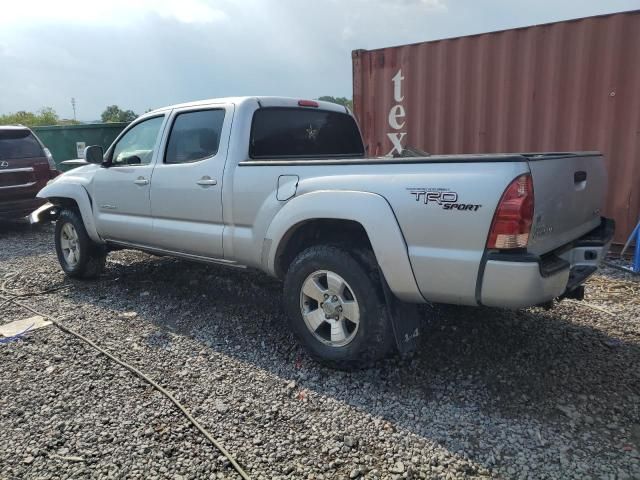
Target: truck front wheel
336, 307
78, 255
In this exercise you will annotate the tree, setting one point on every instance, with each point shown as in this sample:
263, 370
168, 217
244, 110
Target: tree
339, 100
44, 116
113, 113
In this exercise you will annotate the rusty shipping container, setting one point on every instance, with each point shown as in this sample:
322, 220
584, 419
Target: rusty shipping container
572, 85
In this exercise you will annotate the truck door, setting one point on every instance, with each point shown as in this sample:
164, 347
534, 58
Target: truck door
121, 191
186, 189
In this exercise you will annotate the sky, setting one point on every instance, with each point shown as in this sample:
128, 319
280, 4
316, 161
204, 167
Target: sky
142, 54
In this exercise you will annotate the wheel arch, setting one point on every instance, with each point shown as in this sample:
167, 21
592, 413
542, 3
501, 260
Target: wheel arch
317, 231
68, 195
358, 217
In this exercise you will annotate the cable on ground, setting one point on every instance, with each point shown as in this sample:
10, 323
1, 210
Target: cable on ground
129, 367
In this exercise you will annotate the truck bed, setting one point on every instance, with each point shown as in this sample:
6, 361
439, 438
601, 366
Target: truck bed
446, 246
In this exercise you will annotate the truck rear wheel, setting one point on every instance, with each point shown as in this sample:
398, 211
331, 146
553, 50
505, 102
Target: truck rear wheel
78, 255
336, 308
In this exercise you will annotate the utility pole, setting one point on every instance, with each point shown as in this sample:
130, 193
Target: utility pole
73, 104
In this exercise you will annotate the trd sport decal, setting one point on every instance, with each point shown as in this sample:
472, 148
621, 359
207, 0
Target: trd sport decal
443, 197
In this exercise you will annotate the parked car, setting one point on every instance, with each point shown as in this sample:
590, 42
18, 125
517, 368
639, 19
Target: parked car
284, 185
26, 166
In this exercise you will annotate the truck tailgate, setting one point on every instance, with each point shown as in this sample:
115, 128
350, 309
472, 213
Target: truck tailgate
569, 191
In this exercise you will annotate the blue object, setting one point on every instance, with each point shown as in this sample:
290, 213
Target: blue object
15, 337
636, 254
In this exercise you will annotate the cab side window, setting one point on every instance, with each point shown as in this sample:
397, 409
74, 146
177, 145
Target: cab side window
194, 136
137, 145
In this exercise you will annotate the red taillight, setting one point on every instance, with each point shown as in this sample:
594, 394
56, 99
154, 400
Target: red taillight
513, 218
308, 103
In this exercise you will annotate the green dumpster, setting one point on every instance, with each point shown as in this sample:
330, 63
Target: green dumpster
67, 142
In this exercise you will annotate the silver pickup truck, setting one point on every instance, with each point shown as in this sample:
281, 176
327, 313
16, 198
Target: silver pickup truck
285, 186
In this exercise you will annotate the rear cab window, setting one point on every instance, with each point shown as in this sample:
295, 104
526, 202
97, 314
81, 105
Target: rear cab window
19, 143
298, 133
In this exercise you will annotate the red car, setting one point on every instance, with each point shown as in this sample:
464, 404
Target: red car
25, 168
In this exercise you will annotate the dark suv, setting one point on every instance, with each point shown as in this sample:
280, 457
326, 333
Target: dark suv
25, 168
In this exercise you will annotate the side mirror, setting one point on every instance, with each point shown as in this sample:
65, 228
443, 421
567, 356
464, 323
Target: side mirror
94, 154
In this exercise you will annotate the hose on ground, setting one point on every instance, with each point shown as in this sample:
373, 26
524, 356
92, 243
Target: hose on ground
136, 372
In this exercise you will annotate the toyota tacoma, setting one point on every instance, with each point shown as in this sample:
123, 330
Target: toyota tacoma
285, 186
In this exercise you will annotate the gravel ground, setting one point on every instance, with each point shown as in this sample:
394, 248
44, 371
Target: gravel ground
528, 394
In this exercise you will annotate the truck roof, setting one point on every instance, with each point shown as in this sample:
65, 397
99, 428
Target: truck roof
264, 101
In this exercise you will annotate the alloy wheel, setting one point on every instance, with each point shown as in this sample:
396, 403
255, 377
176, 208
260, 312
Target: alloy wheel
70, 244
329, 308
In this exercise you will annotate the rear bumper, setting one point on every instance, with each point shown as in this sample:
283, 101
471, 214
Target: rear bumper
19, 208
522, 280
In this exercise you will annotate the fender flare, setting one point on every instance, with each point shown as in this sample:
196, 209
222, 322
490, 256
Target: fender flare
78, 194
370, 210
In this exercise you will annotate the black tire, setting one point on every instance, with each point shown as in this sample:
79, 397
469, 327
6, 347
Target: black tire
91, 257
373, 339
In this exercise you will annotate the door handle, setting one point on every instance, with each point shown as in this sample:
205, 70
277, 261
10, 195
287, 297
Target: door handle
207, 181
141, 181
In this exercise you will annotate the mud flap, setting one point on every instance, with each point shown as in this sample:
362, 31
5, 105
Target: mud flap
405, 320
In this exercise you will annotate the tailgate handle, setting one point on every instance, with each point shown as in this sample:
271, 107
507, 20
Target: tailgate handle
579, 176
